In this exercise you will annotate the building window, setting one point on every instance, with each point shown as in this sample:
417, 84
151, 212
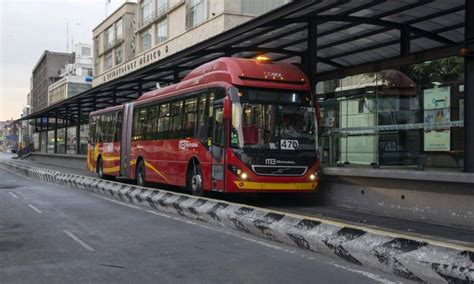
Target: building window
253, 7
119, 55
162, 31
109, 37
195, 13
146, 40
96, 55
161, 6
145, 12
108, 63
87, 71
119, 29
85, 51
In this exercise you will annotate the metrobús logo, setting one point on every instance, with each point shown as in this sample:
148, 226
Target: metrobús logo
278, 162
185, 144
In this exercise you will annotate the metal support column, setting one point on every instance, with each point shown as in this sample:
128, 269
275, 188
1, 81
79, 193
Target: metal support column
114, 100
312, 59
39, 132
140, 88
404, 46
469, 89
47, 132
65, 131
78, 129
175, 76
56, 134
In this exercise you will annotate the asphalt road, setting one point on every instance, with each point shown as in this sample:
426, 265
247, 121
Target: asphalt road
301, 204
51, 234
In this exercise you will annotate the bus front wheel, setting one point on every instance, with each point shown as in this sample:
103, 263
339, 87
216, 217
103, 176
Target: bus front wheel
140, 174
194, 180
100, 168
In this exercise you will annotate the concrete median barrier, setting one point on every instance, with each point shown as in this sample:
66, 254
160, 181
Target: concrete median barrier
409, 257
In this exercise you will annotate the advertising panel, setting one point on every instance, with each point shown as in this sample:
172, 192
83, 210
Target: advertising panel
437, 140
436, 105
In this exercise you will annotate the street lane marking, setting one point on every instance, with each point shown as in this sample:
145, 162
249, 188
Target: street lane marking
13, 194
367, 274
34, 208
124, 204
79, 241
372, 276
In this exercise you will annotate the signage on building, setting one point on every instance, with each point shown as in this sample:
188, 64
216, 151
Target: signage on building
11, 138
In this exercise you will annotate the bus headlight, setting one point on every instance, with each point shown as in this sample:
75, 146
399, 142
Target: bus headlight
238, 172
312, 176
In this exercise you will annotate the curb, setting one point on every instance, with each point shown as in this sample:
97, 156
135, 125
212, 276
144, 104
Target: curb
409, 258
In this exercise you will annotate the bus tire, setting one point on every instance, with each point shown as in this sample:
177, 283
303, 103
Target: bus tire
140, 174
100, 170
194, 180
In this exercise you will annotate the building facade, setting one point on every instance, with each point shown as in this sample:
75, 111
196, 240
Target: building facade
113, 39
75, 78
46, 72
164, 27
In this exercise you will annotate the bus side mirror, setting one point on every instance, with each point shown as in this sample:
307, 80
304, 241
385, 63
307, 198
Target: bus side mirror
227, 108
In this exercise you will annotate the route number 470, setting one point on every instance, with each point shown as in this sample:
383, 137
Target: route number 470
288, 144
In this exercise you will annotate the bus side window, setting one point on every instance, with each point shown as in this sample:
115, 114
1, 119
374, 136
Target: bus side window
135, 125
190, 116
210, 115
219, 128
110, 127
118, 127
176, 125
98, 131
163, 121
152, 122
92, 129
142, 123
202, 119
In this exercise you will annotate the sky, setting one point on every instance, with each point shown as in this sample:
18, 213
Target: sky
29, 27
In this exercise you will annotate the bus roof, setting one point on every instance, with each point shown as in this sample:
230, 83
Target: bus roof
235, 71
240, 72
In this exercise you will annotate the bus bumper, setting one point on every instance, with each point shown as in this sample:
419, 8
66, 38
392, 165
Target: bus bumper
250, 186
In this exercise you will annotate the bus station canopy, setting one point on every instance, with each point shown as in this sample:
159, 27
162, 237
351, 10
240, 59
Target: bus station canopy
329, 39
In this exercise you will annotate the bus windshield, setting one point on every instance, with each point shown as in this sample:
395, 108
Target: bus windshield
273, 120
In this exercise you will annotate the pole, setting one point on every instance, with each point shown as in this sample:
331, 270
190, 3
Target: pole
78, 130
469, 89
56, 134
65, 132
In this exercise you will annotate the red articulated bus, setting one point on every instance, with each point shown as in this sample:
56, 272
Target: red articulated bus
231, 125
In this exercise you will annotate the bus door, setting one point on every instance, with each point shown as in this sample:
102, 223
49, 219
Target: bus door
218, 149
126, 140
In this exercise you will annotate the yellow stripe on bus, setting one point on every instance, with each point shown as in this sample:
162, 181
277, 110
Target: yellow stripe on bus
105, 158
150, 166
275, 185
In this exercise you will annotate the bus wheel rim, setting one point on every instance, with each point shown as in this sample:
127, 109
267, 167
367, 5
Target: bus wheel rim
140, 177
196, 182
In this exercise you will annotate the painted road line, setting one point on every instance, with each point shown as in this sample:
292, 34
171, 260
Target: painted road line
34, 208
13, 194
79, 241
